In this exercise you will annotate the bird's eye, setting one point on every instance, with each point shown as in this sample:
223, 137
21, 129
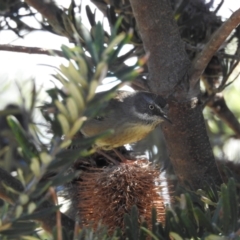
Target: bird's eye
151, 107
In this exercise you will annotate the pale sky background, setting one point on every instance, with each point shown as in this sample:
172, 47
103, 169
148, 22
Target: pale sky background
20, 67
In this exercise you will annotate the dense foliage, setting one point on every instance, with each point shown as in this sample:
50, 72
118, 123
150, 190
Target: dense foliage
33, 172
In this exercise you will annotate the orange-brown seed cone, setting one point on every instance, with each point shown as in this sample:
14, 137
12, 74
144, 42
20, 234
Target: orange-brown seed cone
107, 194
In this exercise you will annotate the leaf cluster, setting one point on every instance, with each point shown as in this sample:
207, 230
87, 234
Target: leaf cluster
42, 167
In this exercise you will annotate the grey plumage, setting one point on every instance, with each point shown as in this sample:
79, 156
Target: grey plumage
131, 115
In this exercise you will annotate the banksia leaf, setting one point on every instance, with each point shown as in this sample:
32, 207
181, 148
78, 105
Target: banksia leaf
28, 148
64, 123
72, 109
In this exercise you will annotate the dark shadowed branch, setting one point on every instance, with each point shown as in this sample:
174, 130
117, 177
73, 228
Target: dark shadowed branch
218, 105
30, 50
218, 38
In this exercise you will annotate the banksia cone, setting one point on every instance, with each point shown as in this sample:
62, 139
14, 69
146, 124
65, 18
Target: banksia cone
105, 195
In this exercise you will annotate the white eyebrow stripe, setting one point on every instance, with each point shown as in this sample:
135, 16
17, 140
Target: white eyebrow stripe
159, 108
146, 117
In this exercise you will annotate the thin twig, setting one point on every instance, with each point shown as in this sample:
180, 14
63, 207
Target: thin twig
58, 214
30, 50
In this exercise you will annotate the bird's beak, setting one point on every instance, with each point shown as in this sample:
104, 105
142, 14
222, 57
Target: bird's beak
166, 118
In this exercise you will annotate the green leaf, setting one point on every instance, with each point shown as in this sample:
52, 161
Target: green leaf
225, 209
114, 30
175, 236
28, 148
68, 54
89, 44
203, 220
91, 16
190, 227
135, 223
99, 38
150, 233
215, 237
19, 228
143, 234
233, 203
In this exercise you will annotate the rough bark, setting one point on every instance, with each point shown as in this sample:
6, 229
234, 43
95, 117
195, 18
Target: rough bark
168, 61
187, 141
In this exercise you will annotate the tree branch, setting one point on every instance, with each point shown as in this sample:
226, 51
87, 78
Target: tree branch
188, 145
219, 106
162, 40
53, 14
30, 50
217, 39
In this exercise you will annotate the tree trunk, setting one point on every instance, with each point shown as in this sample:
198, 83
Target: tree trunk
187, 141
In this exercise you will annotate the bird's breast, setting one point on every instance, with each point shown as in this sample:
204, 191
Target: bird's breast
124, 135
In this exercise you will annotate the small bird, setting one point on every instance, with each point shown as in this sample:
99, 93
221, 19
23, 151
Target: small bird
131, 116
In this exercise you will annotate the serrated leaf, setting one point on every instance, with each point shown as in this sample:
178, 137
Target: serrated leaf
89, 44
143, 234
113, 44
203, 220
190, 227
67, 52
72, 109
29, 238
20, 176
92, 90
215, 237
64, 123
45, 158
135, 224
99, 38
128, 226
28, 148
76, 75
83, 69
90, 15
35, 167
175, 236
18, 211
232, 193
31, 207
61, 78
23, 198
76, 126
215, 218
114, 29
226, 209
68, 25
61, 108
76, 94
20, 228
150, 233
65, 143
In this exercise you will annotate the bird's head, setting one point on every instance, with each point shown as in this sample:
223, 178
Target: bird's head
148, 107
